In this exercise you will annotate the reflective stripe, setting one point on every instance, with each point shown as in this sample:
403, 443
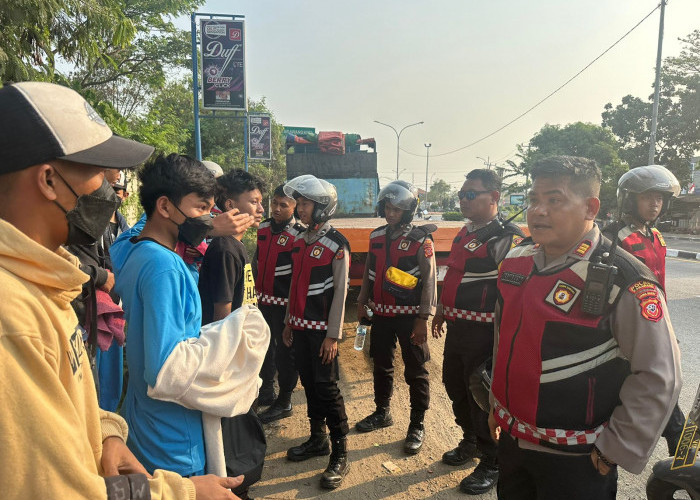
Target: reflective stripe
307, 323
471, 277
521, 429
271, 300
395, 309
603, 353
454, 313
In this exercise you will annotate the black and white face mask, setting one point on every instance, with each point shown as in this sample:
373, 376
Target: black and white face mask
90, 217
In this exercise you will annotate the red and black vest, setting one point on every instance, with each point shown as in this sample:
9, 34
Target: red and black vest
403, 254
651, 250
311, 292
558, 370
275, 262
469, 287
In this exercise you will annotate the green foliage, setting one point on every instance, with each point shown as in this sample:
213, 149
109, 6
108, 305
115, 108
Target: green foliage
678, 127
452, 216
577, 139
441, 196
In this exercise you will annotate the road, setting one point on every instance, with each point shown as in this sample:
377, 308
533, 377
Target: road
423, 475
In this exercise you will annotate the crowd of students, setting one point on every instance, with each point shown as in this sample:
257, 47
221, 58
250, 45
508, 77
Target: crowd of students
582, 377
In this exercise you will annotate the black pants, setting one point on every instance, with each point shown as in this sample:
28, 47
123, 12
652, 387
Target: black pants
536, 475
385, 331
323, 399
279, 357
467, 345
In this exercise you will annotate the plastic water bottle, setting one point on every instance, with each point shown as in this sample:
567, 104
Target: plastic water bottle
360, 336
363, 329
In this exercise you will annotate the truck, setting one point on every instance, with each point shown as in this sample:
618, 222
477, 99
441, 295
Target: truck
350, 164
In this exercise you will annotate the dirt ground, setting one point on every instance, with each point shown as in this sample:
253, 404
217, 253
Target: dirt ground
418, 476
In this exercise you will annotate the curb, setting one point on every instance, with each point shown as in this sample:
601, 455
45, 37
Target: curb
682, 254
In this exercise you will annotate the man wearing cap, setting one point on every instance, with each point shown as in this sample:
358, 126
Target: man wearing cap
55, 149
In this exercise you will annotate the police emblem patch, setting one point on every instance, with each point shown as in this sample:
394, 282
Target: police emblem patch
428, 249
405, 245
473, 245
282, 240
563, 296
316, 252
641, 285
583, 248
651, 309
340, 254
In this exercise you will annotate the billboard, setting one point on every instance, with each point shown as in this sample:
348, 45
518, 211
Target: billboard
259, 137
223, 64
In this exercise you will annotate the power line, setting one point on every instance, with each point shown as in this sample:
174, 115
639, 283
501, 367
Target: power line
547, 97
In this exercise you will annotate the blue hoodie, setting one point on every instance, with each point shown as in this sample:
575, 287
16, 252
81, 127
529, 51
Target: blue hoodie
162, 308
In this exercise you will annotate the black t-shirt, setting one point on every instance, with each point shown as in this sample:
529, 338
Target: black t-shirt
225, 276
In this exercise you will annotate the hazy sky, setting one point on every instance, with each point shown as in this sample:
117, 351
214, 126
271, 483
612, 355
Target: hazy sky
464, 68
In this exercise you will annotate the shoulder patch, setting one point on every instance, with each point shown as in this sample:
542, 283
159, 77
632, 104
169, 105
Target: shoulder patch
340, 254
651, 308
640, 286
583, 248
516, 241
428, 248
661, 238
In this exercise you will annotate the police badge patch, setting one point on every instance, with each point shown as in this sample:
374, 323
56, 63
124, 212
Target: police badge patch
282, 240
405, 245
473, 245
563, 296
316, 252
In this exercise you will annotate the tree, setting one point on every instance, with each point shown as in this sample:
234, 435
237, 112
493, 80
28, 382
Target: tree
440, 194
577, 139
678, 128
36, 34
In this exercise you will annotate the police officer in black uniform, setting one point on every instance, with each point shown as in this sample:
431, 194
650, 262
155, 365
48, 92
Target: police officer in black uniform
399, 285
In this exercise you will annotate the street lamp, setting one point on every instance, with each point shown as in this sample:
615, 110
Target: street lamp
427, 156
398, 140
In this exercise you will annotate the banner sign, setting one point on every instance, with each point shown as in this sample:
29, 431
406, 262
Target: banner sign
223, 64
259, 137
298, 130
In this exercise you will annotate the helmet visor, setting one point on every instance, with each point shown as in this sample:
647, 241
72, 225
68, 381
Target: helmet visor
401, 196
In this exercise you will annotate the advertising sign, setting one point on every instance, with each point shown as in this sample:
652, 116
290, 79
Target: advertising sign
517, 199
259, 137
223, 64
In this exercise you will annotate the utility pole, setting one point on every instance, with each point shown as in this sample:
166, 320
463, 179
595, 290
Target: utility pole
398, 140
427, 157
487, 161
657, 83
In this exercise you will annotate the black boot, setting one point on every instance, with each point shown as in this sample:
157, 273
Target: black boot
338, 465
465, 451
281, 408
267, 395
317, 445
482, 479
415, 434
377, 420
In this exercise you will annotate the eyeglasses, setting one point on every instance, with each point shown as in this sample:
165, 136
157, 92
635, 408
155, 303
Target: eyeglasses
470, 195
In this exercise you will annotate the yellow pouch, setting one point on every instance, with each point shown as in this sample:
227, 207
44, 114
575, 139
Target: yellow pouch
399, 283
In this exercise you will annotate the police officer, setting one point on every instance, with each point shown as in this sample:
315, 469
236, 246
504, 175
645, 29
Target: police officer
314, 322
399, 285
467, 303
586, 367
272, 266
643, 196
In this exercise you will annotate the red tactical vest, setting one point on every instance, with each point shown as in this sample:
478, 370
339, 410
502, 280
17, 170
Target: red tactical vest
469, 288
403, 254
650, 250
558, 370
275, 262
311, 291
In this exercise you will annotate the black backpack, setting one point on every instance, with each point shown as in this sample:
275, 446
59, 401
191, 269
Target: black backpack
244, 448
